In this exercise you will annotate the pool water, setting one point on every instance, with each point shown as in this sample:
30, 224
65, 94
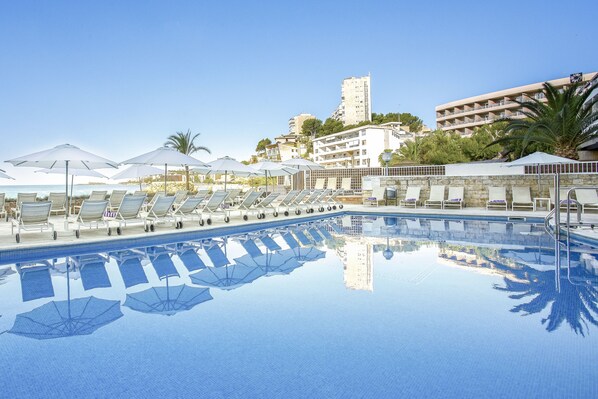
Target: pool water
352, 306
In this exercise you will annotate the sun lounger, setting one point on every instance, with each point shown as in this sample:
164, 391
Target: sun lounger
246, 205
36, 282
301, 237
187, 210
437, 225
563, 198
116, 198
455, 198
180, 196
232, 196
436, 197
265, 206
129, 211
162, 263
92, 269
250, 247
22, 197
293, 205
290, 240
3, 213
587, 198
310, 202
331, 184
315, 235
213, 207
215, 253
287, 201
320, 182
269, 242
129, 265
202, 193
33, 216
139, 192
58, 201
190, 258
332, 200
160, 212
378, 194
346, 185
521, 197
325, 233
91, 214
97, 195
497, 198
411, 196
321, 202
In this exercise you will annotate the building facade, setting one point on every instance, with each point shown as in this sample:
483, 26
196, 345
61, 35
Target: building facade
296, 123
356, 101
285, 147
462, 116
360, 146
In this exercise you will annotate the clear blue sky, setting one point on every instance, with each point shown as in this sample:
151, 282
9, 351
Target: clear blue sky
117, 77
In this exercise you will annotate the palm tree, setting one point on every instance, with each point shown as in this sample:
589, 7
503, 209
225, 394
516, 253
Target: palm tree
567, 119
185, 143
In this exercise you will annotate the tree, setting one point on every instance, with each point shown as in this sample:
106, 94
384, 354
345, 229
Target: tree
262, 144
566, 120
331, 126
185, 143
311, 128
414, 123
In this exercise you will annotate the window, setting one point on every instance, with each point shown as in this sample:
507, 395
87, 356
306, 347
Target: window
364, 152
362, 142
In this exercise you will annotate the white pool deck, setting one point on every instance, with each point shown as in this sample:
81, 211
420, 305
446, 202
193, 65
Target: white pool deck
32, 239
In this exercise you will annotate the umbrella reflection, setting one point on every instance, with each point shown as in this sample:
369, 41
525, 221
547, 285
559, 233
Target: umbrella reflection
227, 277
167, 300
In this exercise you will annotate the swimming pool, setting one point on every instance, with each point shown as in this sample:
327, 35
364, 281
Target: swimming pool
348, 306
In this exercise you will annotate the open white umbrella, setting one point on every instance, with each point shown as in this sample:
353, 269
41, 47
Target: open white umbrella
3, 175
228, 166
302, 165
73, 173
165, 156
273, 169
64, 156
137, 172
537, 159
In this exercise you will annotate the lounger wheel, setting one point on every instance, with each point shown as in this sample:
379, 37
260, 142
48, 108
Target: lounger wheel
180, 224
77, 233
146, 228
334, 207
226, 219
109, 231
152, 228
329, 208
245, 217
209, 221
321, 209
18, 238
54, 235
275, 214
119, 231
201, 222
263, 215
286, 213
340, 206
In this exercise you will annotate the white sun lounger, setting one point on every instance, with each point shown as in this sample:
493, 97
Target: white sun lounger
58, 201
296, 201
497, 198
22, 197
411, 196
287, 201
246, 206
129, 211
378, 194
309, 202
320, 181
455, 198
332, 201
563, 198
33, 216
213, 207
588, 198
3, 213
436, 197
116, 197
346, 185
188, 210
232, 197
331, 184
91, 214
265, 206
160, 212
522, 197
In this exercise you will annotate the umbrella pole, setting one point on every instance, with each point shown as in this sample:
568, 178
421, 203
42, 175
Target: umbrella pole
66, 194
225, 176
165, 175
266, 181
72, 184
140, 189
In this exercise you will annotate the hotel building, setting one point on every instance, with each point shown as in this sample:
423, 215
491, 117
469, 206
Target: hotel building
360, 146
462, 116
296, 123
356, 101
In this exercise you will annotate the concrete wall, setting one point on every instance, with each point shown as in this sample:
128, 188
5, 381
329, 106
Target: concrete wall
476, 187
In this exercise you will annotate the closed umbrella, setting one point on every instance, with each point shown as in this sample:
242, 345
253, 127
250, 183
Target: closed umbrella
302, 164
164, 156
73, 173
228, 166
3, 175
273, 169
64, 156
137, 172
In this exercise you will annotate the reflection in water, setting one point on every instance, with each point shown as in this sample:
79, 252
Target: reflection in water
167, 300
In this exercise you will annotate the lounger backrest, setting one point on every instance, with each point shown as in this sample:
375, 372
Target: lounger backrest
319, 183
314, 196
331, 183
35, 212
58, 200
25, 197
346, 183
290, 197
497, 194
2, 201
97, 195
583, 196
378, 192
413, 192
455, 194
268, 200
436, 193
92, 211
324, 194
180, 196
250, 199
130, 206
300, 197
521, 194
202, 193
232, 194
189, 205
216, 200
162, 206
139, 192
116, 197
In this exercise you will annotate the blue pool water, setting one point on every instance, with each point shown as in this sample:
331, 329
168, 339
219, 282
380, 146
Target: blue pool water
349, 306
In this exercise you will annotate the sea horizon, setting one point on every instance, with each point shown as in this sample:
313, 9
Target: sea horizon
43, 190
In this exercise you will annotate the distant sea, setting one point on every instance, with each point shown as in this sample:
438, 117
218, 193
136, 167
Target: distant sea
78, 189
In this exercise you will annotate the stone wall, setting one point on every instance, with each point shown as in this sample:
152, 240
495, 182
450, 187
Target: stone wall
476, 187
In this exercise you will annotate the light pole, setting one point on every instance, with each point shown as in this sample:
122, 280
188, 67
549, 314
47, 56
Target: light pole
386, 157
387, 253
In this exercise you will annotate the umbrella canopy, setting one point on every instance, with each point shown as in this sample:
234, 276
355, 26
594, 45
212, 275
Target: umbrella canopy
539, 158
228, 166
64, 156
302, 164
272, 263
273, 169
164, 156
137, 172
57, 319
307, 254
3, 175
226, 277
73, 172
167, 300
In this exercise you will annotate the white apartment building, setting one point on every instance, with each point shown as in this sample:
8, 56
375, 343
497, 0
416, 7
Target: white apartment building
356, 101
462, 116
296, 123
359, 147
